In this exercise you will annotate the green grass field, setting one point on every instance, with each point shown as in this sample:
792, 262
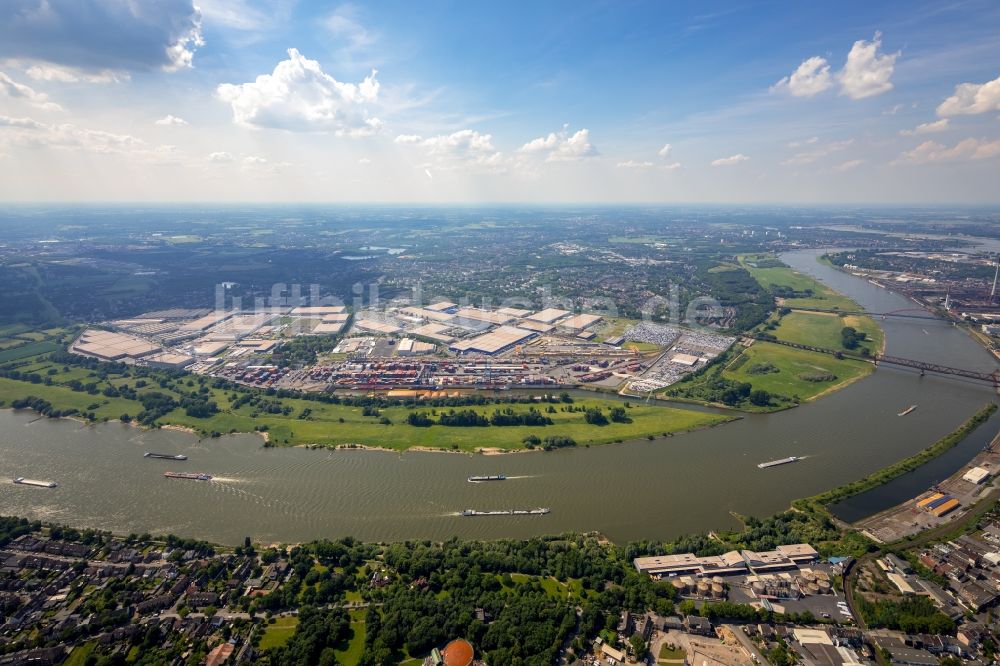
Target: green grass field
333, 425
277, 634
351, 654
783, 276
823, 330
554, 588
792, 365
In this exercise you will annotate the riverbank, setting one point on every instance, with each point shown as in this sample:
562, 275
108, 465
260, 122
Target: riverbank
819, 504
782, 377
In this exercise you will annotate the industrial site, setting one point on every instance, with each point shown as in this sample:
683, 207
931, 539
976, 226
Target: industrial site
438, 347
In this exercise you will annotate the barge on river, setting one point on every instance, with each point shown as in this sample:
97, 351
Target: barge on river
491, 477
541, 511
165, 456
194, 476
21, 481
775, 463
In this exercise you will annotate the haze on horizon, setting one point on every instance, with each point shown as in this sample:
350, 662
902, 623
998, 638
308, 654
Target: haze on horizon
449, 102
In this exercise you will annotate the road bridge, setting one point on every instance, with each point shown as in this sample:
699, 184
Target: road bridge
906, 313
923, 366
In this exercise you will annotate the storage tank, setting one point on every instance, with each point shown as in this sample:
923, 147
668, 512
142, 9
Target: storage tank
704, 588
824, 586
822, 575
758, 587
812, 588
680, 586
718, 591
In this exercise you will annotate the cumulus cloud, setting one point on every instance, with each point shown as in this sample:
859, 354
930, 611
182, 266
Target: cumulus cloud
463, 147
57, 74
665, 151
866, 73
809, 78
29, 133
972, 98
11, 88
817, 153
849, 165
805, 142
221, 157
345, 27
562, 146
299, 96
927, 128
171, 120
633, 164
968, 149
95, 35
408, 138
730, 161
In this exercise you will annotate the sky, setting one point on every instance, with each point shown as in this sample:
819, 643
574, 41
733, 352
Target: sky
894, 102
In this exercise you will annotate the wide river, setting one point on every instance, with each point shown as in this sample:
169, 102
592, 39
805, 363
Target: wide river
629, 491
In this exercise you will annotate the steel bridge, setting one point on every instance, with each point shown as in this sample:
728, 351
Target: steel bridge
923, 366
908, 313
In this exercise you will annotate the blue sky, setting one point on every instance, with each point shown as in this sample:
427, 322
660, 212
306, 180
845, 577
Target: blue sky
276, 100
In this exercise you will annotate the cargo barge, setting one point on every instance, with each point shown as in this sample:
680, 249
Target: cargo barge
21, 481
164, 456
775, 463
541, 511
492, 477
907, 410
194, 476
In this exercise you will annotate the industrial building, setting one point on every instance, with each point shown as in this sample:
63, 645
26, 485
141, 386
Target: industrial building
317, 310
108, 346
733, 562
411, 347
376, 327
434, 332
549, 315
577, 323
483, 315
442, 306
494, 342
977, 475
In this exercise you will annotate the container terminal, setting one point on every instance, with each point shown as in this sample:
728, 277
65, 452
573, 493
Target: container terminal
165, 456
775, 463
33, 482
194, 476
541, 511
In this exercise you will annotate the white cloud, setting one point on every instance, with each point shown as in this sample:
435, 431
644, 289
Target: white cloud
364, 160
730, 161
236, 14
11, 88
464, 147
893, 110
817, 153
57, 74
221, 157
866, 73
171, 120
849, 165
673, 166
96, 35
968, 149
408, 138
665, 151
300, 96
561, 147
632, 164
927, 128
29, 133
809, 78
805, 142
971, 98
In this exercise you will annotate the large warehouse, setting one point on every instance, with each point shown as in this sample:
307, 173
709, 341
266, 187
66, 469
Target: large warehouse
494, 342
